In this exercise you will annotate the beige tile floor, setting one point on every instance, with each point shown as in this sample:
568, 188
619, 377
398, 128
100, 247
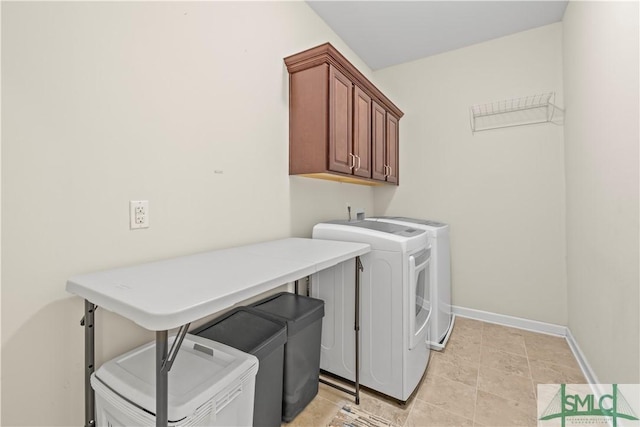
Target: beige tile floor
486, 376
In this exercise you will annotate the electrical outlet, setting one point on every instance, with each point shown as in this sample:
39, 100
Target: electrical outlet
138, 214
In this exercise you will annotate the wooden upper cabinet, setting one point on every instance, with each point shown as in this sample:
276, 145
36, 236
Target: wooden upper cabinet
385, 145
361, 133
392, 149
379, 135
340, 122
340, 125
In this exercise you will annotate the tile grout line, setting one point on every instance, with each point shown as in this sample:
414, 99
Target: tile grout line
530, 377
506, 372
444, 410
535, 390
508, 352
525, 356
533, 386
507, 399
459, 383
475, 405
472, 419
501, 397
483, 343
413, 404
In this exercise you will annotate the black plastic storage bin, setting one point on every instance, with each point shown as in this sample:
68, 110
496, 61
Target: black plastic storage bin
303, 316
256, 333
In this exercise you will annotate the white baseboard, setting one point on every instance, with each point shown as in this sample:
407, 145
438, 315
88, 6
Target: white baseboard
582, 360
514, 322
534, 326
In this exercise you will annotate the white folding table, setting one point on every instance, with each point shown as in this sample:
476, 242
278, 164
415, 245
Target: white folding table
173, 293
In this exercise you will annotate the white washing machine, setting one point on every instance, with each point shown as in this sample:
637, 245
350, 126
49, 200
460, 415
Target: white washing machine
395, 306
443, 319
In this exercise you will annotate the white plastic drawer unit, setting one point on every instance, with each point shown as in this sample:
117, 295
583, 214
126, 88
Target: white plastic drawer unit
209, 384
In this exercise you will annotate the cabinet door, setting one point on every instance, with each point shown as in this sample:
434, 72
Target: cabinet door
340, 122
378, 138
362, 132
392, 149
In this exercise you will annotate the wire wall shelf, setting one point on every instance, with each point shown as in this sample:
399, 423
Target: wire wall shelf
527, 110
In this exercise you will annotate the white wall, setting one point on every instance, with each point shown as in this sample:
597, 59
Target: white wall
601, 43
106, 103
109, 102
0, 219
502, 191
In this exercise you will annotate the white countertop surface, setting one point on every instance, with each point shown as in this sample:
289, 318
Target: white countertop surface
167, 294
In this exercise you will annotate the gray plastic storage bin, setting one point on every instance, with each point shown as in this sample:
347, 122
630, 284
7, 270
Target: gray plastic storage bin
256, 333
303, 316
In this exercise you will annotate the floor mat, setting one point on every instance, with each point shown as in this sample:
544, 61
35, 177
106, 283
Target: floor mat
353, 416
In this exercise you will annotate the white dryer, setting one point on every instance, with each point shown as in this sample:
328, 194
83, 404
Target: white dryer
395, 306
443, 319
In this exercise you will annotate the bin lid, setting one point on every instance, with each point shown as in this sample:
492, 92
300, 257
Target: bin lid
297, 311
202, 369
247, 330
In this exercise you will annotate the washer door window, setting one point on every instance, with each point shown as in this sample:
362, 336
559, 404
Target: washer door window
419, 298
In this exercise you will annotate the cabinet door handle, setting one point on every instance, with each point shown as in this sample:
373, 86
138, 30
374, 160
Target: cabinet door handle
353, 161
358, 167
390, 171
386, 168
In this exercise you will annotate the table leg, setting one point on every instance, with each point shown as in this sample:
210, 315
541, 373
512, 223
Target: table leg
162, 377
89, 360
356, 327
359, 268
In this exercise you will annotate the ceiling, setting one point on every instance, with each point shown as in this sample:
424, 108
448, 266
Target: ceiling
386, 33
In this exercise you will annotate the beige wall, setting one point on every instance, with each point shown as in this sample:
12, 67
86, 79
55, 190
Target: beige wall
601, 139
109, 102
502, 191
0, 222
106, 103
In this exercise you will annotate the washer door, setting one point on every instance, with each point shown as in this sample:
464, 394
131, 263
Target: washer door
419, 295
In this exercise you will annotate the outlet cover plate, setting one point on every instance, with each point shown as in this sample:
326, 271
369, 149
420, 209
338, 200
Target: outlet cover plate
138, 214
